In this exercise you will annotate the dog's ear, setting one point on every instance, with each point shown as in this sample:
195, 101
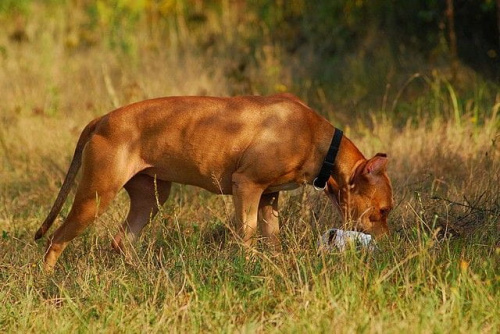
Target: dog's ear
369, 168
376, 165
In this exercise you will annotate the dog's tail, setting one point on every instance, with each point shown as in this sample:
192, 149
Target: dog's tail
70, 178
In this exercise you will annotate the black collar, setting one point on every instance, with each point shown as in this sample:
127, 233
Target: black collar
326, 170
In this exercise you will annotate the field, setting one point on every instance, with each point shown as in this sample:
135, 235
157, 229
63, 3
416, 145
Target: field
439, 272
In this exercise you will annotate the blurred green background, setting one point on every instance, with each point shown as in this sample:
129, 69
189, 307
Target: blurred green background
402, 59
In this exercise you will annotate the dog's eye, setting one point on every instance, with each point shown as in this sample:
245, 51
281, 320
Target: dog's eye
384, 211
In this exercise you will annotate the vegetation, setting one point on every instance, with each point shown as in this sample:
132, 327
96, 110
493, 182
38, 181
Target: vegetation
393, 88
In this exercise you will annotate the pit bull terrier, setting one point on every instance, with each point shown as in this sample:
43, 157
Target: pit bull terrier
251, 147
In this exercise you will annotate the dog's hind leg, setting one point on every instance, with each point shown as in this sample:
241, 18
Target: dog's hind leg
86, 207
104, 172
146, 195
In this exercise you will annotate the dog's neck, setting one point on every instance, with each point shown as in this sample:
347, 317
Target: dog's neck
347, 159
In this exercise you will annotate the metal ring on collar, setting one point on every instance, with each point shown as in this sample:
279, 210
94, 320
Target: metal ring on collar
318, 188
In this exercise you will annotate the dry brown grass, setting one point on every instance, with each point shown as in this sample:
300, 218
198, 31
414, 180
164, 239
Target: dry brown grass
187, 275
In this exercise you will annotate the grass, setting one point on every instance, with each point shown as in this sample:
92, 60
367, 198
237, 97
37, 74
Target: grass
183, 282
438, 272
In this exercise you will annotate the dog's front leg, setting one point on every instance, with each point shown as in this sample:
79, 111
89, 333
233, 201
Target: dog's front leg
246, 198
268, 220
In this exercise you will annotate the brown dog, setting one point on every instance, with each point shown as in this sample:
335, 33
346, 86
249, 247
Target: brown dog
251, 147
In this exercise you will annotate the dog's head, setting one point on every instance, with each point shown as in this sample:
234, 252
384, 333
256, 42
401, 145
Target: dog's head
365, 199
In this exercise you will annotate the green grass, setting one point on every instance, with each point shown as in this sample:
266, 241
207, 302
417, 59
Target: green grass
438, 272
179, 282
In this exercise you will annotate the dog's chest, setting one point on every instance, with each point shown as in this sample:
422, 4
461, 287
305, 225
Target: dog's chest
282, 187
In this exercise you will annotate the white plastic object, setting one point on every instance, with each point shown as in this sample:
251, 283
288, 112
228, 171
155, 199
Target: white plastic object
339, 239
